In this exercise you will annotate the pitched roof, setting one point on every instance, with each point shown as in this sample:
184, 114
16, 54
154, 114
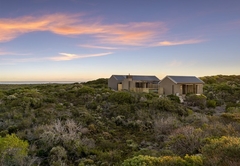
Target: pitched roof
137, 78
185, 79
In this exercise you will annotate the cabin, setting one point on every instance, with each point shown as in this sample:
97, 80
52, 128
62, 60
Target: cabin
136, 83
181, 85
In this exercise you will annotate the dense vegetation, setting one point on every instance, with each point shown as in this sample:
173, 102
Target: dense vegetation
89, 124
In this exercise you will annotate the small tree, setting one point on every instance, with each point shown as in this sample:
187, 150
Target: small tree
13, 150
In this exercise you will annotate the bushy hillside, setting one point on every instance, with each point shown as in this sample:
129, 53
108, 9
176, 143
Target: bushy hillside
88, 124
224, 90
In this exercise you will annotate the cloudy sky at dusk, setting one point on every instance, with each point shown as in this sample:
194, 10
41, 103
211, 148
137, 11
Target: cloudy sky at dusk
80, 40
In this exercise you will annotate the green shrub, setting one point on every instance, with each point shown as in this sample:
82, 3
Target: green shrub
85, 90
233, 110
217, 129
164, 161
222, 151
57, 156
196, 100
150, 96
99, 83
231, 116
231, 104
1, 94
165, 104
211, 103
121, 97
174, 98
12, 150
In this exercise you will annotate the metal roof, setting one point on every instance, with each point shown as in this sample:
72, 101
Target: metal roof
137, 78
185, 79
119, 77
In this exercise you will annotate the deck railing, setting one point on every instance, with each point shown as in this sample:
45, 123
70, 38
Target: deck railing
147, 90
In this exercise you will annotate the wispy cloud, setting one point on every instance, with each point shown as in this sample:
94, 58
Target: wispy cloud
129, 34
4, 53
99, 47
173, 43
62, 57
13, 27
67, 56
141, 33
175, 63
138, 33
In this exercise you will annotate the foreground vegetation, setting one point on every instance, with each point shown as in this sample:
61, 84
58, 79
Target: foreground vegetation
88, 124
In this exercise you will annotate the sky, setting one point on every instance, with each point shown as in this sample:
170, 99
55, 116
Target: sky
81, 40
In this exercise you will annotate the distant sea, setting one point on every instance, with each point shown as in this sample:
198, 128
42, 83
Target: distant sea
37, 82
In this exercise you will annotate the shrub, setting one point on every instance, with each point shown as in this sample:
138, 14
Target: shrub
164, 161
85, 90
217, 129
13, 150
231, 116
174, 98
165, 104
233, 110
196, 119
196, 100
211, 103
58, 155
165, 125
186, 140
121, 97
222, 151
150, 96
1, 94
64, 133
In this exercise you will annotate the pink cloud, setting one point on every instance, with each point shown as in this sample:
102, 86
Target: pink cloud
173, 43
12, 28
66, 24
133, 34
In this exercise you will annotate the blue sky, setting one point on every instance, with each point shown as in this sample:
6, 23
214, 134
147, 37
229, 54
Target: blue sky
80, 40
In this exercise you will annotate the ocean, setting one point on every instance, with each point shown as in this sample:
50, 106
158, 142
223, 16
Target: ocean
37, 82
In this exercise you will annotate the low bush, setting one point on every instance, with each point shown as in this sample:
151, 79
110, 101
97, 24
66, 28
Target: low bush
222, 151
174, 98
164, 161
186, 140
211, 103
196, 100
122, 97
13, 150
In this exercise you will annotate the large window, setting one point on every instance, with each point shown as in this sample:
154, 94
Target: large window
192, 88
139, 85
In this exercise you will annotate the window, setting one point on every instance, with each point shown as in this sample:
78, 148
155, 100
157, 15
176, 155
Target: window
139, 85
